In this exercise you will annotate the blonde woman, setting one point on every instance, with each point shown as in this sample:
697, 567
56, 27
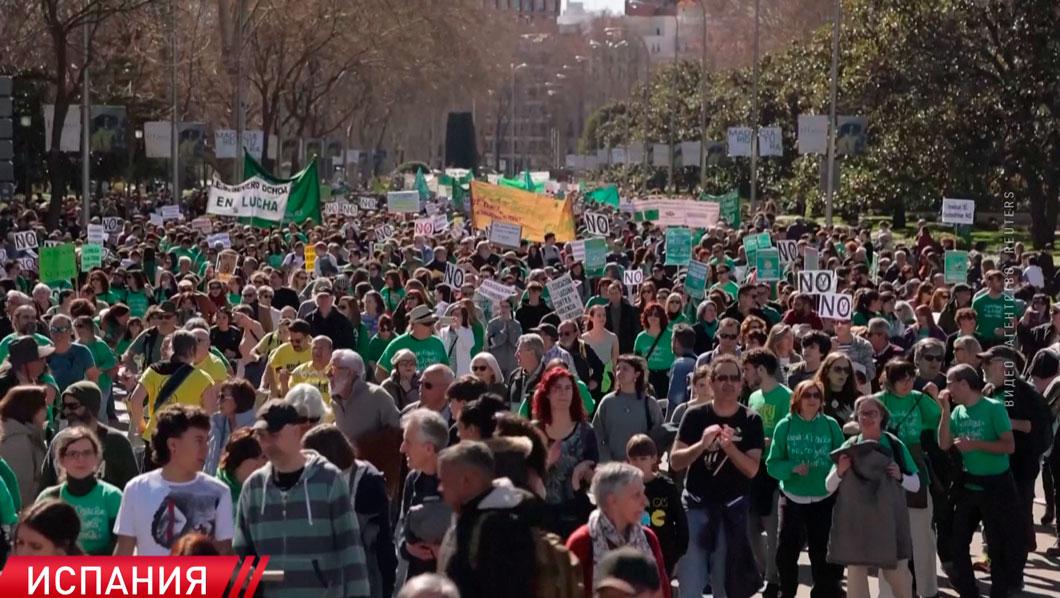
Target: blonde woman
781, 342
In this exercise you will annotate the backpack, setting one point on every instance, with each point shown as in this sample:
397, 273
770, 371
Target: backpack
557, 573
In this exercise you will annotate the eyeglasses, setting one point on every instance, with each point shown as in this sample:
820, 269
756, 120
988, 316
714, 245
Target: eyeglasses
79, 454
59, 329
410, 362
932, 358
480, 368
726, 378
811, 394
728, 337
71, 405
385, 329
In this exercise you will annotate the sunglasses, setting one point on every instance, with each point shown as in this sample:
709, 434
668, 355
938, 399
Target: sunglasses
71, 405
479, 368
728, 337
811, 395
932, 358
727, 378
59, 329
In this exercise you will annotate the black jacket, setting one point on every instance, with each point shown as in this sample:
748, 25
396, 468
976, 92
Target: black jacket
529, 316
119, 462
630, 326
521, 385
489, 550
735, 313
1031, 340
335, 326
588, 365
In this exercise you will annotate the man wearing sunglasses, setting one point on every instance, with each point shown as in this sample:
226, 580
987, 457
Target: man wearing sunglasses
148, 345
720, 443
70, 362
928, 355
80, 404
727, 337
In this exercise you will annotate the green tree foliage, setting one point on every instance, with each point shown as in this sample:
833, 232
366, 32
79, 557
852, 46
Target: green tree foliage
962, 99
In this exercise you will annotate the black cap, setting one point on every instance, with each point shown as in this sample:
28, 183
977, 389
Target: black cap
548, 329
961, 287
1003, 352
25, 350
276, 414
1046, 364
629, 571
167, 307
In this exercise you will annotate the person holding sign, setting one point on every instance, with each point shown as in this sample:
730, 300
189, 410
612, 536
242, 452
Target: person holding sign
654, 345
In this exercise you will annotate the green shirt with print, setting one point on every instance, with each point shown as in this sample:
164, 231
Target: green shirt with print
662, 356
428, 351
986, 420
797, 441
992, 314
97, 510
771, 406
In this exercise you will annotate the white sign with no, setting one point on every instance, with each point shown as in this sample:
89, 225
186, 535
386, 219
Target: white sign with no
598, 224
836, 306
817, 282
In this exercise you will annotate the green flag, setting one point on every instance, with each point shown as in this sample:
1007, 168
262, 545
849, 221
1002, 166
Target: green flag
607, 195
460, 188
303, 202
421, 185
523, 182
730, 206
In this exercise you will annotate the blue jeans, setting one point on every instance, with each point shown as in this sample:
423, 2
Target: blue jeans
695, 568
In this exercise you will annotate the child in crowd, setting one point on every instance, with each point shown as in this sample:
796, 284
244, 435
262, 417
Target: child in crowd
665, 515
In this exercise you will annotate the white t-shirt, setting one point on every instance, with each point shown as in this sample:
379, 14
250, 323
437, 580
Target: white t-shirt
157, 513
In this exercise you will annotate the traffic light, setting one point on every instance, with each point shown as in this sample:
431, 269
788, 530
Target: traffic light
7, 143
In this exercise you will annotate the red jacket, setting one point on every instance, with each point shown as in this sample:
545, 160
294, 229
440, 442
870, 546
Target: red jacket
791, 318
582, 546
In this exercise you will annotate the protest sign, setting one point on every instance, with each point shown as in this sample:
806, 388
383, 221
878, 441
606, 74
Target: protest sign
730, 208
770, 141
226, 264
767, 264
958, 211
310, 257
956, 267
506, 234
454, 276
113, 225
171, 213
813, 134
52, 243
566, 301
595, 256
739, 141
28, 264
441, 224
835, 306
598, 224
58, 263
221, 238
537, 214
752, 243
403, 202
330, 209
696, 279
367, 203
816, 282
96, 234
632, 277
424, 227
577, 250
496, 291
25, 240
202, 224
678, 246
253, 198
384, 232
702, 214
788, 250
811, 259
91, 256
156, 219
874, 268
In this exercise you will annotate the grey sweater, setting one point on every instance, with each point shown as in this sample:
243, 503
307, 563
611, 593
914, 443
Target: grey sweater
502, 336
371, 408
618, 417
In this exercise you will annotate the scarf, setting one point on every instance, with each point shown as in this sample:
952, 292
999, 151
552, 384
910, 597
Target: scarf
606, 537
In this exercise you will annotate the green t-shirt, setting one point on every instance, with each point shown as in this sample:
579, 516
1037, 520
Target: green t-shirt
391, 298
986, 420
376, 346
730, 287
105, 359
799, 441
429, 351
911, 415
42, 341
114, 295
137, 302
98, 510
860, 319
9, 483
992, 315
771, 407
662, 357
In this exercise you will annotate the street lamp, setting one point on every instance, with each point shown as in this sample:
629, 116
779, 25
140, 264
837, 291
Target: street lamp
515, 69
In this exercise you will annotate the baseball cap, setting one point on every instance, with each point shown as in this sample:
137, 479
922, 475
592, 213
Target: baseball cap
276, 414
548, 329
1046, 364
167, 307
629, 571
1000, 351
25, 350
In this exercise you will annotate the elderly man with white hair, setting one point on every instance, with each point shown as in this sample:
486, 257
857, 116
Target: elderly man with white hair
529, 354
359, 406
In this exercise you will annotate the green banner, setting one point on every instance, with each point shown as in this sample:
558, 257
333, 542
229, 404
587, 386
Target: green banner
956, 266
304, 201
58, 264
730, 206
595, 256
524, 182
91, 256
767, 264
752, 243
696, 279
608, 195
678, 246
460, 188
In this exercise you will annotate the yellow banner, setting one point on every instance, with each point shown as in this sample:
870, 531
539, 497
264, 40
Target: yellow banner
537, 214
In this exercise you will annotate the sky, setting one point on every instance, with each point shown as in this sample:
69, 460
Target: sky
615, 6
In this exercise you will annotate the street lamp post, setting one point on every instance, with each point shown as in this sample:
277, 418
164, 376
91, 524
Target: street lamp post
754, 118
830, 184
515, 68
673, 104
703, 104
86, 111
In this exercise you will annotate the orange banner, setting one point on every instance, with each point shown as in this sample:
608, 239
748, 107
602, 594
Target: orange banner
537, 214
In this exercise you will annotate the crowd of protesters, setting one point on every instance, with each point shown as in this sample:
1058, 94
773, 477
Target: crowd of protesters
377, 431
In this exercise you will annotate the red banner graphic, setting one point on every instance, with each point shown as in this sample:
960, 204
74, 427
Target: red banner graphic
143, 577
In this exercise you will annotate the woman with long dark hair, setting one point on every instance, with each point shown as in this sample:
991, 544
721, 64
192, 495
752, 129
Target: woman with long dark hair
373, 310
412, 298
836, 376
392, 292
572, 449
48, 528
629, 409
653, 344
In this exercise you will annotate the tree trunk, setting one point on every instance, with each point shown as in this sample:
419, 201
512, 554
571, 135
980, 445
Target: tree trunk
58, 164
899, 216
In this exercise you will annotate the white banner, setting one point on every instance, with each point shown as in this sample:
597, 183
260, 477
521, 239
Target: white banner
788, 251
770, 141
635, 153
958, 211
816, 282
96, 234
224, 143
598, 224
660, 154
454, 276
496, 291
71, 135
813, 134
253, 198
565, 298
739, 141
702, 214
25, 240
157, 135
506, 234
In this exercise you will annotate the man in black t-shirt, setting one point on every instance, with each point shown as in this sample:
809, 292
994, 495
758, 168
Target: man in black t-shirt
720, 443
